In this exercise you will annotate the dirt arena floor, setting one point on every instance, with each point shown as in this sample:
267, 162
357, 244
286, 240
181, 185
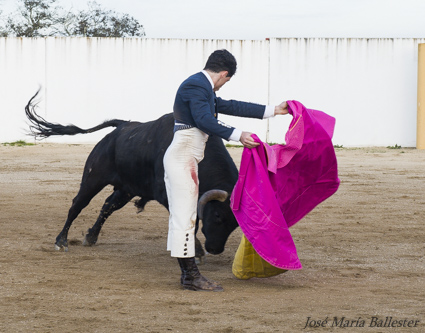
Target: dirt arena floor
362, 252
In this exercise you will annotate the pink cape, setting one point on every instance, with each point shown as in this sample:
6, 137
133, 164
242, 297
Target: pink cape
278, 185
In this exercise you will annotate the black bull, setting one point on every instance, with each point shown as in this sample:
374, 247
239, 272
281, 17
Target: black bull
130, 158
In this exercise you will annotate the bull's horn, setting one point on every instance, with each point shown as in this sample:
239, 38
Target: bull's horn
219, 195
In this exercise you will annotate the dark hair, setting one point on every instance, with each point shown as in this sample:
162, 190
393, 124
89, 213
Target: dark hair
221, 60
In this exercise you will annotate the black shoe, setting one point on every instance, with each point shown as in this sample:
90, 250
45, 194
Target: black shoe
192, 279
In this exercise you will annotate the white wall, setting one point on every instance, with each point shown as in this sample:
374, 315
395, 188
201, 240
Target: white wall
369, 85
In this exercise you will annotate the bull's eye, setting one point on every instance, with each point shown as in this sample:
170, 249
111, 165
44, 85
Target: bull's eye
218, 218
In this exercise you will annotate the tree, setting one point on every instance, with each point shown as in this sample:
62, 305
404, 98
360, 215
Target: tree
34, 19
64, 23
41, 18
3, 32
99, 22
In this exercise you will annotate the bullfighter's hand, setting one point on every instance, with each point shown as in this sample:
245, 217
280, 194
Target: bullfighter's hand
282, 108
248, 141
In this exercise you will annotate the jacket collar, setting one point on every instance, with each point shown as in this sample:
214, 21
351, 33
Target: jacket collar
208, 77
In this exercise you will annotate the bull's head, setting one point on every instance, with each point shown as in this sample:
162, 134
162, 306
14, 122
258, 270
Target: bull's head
218, 220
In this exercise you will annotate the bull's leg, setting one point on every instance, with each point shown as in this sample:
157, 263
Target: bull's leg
82, 199
199, 250
115, 201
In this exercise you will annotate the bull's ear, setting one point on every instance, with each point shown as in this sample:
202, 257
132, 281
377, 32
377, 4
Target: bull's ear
219, 195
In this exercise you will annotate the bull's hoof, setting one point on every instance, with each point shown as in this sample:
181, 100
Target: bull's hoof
61, 243
200, 260
89, 240
199, 252
61, 247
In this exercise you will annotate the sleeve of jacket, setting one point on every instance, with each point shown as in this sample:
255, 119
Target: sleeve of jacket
240, 109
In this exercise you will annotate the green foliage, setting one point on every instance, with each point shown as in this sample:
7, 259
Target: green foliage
42, 18
394, 147
229, 145
33, 19
18, 143
338, 146
3, 32
98, 22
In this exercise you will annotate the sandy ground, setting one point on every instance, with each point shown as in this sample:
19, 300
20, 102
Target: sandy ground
362, 252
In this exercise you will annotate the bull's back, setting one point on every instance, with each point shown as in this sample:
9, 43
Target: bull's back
132, 155
143, 143
139, 151
129, 153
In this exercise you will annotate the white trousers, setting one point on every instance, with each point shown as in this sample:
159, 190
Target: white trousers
182, 184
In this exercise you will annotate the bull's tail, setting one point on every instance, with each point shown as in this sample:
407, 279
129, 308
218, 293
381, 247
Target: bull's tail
43, 129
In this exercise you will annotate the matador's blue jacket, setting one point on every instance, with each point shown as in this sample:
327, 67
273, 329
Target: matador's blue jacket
197, 105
